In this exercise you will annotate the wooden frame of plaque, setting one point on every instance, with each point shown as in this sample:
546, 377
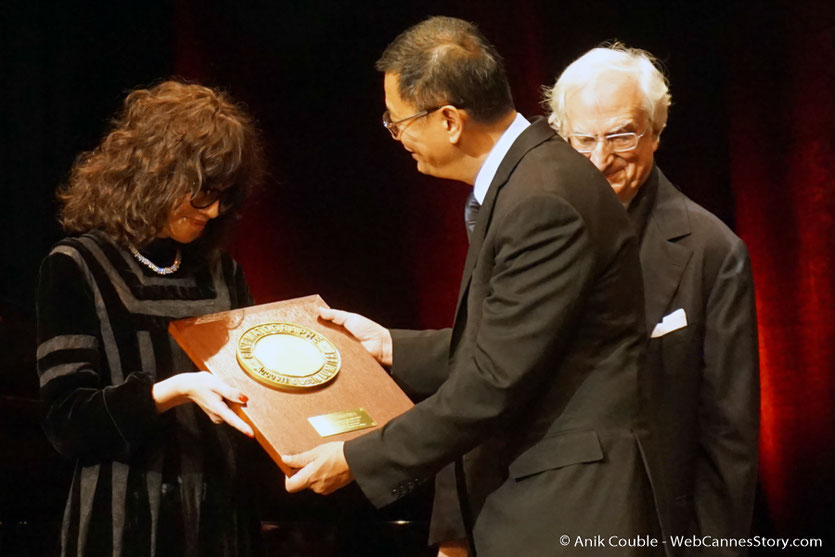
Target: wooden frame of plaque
308, 381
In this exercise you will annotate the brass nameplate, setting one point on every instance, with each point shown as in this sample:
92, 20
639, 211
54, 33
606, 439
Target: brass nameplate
341, 422
288, 357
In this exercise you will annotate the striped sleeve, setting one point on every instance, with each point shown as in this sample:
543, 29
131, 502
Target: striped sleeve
85, 415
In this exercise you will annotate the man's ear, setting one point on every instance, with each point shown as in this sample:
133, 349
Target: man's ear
453, 119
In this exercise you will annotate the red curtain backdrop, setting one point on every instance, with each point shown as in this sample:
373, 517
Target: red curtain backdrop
783, 173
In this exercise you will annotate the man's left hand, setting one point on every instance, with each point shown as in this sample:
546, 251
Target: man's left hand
322, 469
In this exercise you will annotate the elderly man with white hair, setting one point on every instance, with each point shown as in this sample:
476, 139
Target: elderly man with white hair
701, 382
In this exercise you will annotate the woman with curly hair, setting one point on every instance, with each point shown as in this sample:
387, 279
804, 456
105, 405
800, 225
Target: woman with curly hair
148, 210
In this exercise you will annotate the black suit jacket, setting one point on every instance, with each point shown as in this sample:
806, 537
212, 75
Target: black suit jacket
538, 378
702, 385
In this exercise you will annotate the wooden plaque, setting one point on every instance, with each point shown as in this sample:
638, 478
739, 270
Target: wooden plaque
286, 413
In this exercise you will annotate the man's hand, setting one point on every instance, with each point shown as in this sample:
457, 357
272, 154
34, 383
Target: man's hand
322, 469
374, 337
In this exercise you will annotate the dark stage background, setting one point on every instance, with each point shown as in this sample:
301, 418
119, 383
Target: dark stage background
345, 214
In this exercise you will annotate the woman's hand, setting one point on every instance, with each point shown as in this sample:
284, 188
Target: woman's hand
207, 391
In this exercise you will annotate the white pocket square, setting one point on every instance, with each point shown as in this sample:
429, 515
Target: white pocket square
669, 323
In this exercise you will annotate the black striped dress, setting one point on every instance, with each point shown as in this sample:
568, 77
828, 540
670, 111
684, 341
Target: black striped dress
144, 484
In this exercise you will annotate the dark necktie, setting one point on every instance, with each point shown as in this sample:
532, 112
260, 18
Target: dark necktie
471, 213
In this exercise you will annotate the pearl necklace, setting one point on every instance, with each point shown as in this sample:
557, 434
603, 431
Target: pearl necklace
150, 264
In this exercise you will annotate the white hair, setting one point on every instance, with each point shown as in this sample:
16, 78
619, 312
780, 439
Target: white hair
602, 62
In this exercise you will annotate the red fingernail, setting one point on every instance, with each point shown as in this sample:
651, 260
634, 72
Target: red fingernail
243, 398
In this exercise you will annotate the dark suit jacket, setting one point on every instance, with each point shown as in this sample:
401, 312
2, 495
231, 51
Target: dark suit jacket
538, 378
702, 382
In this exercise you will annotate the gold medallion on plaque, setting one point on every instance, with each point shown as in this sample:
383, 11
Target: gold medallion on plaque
288, 357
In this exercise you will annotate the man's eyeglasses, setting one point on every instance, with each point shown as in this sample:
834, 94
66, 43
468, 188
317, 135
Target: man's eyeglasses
394, 127
229, 198
616, 142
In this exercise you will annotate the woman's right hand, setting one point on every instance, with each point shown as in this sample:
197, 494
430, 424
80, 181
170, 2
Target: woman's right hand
207, 391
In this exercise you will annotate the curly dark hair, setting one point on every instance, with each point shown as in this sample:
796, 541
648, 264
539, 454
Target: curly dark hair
168, 141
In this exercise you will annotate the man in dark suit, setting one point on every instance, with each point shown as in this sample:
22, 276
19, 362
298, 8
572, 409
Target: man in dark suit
702, 382
534, 390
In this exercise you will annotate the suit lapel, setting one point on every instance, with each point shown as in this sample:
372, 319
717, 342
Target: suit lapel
662, 258
538, 132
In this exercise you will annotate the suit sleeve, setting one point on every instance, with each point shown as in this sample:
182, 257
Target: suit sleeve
421, 365
420, 360
86, 417
729, 404
543, 262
